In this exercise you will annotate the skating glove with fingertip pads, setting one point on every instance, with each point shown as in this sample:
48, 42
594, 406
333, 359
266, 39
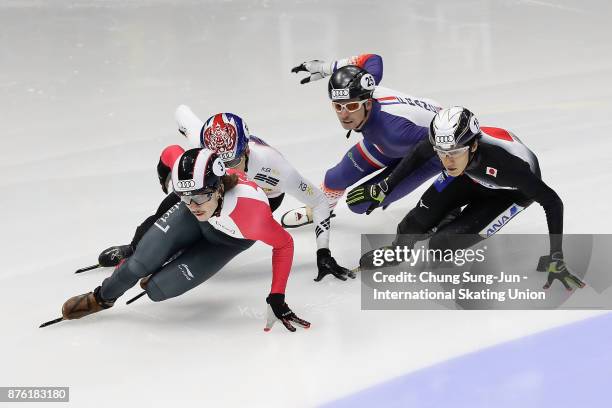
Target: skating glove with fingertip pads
328, 265
557, 270
368, 193
279, 310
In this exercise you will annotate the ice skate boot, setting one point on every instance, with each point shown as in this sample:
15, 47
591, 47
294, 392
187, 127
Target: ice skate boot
85, 304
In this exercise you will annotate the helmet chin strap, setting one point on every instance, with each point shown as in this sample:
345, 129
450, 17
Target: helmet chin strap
365, 117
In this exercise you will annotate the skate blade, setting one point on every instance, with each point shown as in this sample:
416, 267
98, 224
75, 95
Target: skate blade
88, 268
50, 322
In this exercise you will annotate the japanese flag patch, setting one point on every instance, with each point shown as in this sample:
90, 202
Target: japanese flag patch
491, 171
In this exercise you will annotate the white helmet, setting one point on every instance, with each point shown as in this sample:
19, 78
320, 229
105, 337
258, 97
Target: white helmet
197, 171
453, 127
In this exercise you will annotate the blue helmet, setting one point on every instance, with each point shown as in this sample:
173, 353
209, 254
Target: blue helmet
225, 134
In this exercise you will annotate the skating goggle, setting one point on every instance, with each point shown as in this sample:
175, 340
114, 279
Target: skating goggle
233, 163
452, 152
349, 106
199, 199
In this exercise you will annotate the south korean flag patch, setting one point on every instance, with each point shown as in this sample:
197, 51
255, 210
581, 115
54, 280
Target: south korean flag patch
491, 171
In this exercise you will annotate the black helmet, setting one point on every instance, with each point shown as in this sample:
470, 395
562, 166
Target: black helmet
197, 171
453, 127
350, 82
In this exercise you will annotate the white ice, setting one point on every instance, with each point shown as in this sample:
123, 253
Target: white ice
88, 90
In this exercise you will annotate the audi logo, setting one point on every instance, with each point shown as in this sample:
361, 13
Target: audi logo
340, 94
185, 184
445, 139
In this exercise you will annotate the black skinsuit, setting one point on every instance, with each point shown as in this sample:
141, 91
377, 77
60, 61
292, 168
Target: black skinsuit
502, 178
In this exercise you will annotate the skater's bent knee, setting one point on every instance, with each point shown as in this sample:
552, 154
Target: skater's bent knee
133, 270
154, 292
359, 208
440, 241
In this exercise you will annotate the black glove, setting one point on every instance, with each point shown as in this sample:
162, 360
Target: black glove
327, 264
368, 193
279, 310
164, 166
163, 174
367, 260
557, 269
115, 254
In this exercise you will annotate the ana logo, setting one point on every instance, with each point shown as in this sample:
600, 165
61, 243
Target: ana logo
491, 171
502, 220
183, 184
515, 209
220, 136
341, 93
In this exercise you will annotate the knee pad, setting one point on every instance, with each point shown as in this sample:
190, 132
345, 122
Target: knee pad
154, 292
410, 230
452, 240
343, 175
410, 224
359, 208
333, 179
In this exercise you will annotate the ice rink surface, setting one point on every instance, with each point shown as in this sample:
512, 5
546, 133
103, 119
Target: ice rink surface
88, 91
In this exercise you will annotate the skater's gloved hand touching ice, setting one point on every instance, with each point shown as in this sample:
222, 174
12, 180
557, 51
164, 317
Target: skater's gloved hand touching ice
317, 69
279, 310
557, 270
328, 265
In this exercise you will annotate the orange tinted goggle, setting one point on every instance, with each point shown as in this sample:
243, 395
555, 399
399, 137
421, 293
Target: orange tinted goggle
349, 106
